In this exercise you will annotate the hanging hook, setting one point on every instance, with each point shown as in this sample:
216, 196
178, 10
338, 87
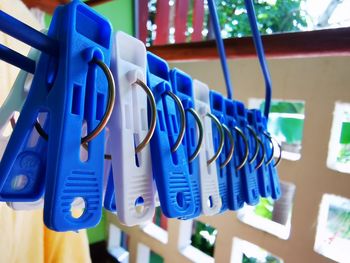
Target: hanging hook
221, 142
200, 135
182, 120
245, 158
106, 116
261, 162
257, 144
232, 143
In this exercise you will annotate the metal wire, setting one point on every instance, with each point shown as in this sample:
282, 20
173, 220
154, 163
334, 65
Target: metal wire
221, 142
232, 143
106, 116
182, 120
200, 134
261, 162
250, 128
245, 158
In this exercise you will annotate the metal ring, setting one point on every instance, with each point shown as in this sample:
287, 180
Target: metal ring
152, 128
269, 160
230, 155
280, 152
182, 120
221, 143
200, 135
110, 104
261, 162
108, 113
245, 158
257, 144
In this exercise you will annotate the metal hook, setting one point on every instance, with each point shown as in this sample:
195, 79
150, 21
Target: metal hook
269, 160
261, 162
245, 158
221, 143
108, 113
200, 135
257, 144
280, 152
152, 128
230, 155
182, 120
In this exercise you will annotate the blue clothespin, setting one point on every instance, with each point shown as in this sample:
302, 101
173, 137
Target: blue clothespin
247, 172
241, 152
69, 88
183, 88
262, 170
217, 107
274, 180
169, 159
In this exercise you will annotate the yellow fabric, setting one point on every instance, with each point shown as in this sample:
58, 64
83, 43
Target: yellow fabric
23, 236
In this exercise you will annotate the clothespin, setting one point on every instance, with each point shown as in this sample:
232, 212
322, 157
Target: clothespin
183, 88
247, 171
210, 196
169, 159
217, 107
130, 134
235, 184
68, 87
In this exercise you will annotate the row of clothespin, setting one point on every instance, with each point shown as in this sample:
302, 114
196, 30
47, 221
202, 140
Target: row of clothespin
106, 124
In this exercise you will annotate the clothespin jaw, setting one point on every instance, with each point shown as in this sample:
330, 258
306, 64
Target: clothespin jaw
68, 87
183, 88
169, 160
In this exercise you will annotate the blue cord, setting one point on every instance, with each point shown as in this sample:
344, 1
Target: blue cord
220, 46
261, 55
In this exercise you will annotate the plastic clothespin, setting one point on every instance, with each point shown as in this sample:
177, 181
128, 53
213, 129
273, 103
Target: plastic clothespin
275, 183
21, 184
131, 154
217, 108
247, 172
262, 170
169, 159
183, 88
68, 87
210, 196
235, 184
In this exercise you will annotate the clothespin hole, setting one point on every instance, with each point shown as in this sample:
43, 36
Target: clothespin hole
180, 199
19, 182
140, 205
210, 202
78, 207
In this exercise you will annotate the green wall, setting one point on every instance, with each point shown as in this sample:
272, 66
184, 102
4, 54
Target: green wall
119, 13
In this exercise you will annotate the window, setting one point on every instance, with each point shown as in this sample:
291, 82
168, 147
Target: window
246, 252
339, 143
271, 216
286, 124
333, 228
197, 241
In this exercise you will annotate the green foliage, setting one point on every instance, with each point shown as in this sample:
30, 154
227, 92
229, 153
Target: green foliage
264, 208
198, 240
273, 16
339, 221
